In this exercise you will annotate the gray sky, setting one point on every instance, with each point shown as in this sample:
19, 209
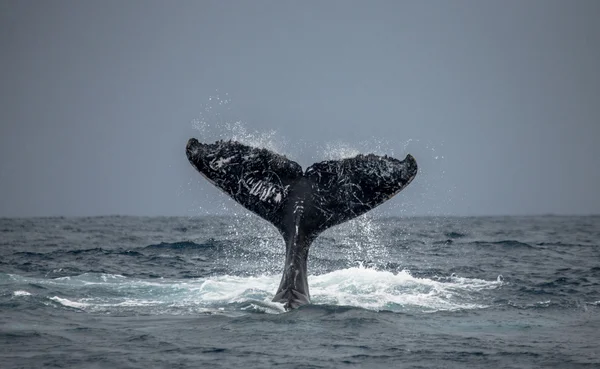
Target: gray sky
498, 101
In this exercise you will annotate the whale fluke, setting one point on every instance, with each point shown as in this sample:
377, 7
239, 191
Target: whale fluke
301, 204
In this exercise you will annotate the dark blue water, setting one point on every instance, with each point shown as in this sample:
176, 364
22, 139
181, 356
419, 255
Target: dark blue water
129, 292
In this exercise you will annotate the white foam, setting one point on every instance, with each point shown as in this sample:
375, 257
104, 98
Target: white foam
358, 286
228, 289
382, 290
69, 303
21, 293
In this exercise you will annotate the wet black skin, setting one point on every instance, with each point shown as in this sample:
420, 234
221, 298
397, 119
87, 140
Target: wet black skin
301, 204
293, 289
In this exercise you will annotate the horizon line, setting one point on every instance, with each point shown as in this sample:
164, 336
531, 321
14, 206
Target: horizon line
381, 216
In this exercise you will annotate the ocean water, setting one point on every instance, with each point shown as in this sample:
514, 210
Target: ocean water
423, 292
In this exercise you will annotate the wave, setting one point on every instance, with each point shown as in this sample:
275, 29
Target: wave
455, 234
358, 287
550, 304
185, 245
503, 243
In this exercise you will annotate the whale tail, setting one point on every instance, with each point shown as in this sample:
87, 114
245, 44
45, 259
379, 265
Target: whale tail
301, 204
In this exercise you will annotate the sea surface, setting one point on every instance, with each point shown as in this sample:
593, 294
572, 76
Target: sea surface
422, 292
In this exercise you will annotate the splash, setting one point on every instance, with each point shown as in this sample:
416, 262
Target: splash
362, 237
400, 292
216, 121
338, 150
360, 287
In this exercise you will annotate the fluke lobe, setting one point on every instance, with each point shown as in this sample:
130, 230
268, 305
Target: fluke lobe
301, 204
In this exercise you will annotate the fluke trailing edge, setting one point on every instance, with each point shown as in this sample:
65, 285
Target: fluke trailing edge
300, 204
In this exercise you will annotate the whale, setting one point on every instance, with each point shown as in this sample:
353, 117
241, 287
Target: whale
301, 204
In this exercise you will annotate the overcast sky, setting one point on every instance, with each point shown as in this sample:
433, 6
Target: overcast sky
499, 101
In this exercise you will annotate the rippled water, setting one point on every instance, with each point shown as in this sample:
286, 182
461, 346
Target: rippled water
387, 292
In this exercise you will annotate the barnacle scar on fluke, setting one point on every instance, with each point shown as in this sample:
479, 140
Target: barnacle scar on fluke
301, 204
